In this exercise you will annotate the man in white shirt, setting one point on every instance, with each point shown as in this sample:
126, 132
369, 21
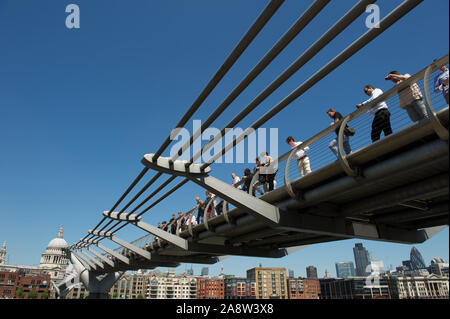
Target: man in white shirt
236, 181
270, 170
303, 163
382, 116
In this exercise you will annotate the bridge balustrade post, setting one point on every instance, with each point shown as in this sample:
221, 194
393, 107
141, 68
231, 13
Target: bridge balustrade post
440, 130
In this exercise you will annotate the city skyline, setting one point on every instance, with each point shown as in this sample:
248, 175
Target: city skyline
216, 269
73, 142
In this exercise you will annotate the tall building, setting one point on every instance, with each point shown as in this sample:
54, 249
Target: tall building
311, 272
291, 273
205, 271
54, 258
362, 259
407, 264
416, 259
345, 269
270, 282
3, 254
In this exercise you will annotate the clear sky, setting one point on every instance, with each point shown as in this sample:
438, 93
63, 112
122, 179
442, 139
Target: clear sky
79, 108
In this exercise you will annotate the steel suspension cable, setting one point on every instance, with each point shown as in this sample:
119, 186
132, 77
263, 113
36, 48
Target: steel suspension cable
404, 8
244, 43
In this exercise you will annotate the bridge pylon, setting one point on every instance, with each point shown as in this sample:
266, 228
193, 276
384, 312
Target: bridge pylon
97, 286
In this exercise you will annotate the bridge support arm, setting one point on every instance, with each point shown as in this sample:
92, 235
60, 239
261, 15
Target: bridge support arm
122, 243
135, 220
93, 260
239, 198
105, 259
227, 192
116, 255
87, 264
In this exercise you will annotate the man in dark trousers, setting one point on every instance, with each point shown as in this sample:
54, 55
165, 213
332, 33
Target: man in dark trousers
382, 116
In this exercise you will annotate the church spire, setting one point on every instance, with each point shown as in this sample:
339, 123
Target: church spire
60, 234
3, 253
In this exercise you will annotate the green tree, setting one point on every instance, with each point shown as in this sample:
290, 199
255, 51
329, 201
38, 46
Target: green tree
20, 293
140, 296
32, 294
115, 295
45, 295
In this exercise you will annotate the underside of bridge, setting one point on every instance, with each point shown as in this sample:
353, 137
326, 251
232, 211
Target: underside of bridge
400, 196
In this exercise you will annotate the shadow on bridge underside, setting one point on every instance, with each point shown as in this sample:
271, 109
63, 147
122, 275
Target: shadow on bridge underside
401, 196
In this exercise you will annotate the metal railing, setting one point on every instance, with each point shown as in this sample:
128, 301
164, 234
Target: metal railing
320, 155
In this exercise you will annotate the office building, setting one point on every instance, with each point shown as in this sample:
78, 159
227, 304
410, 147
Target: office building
362, 259
345, 269
291, 273
311, 272
205, 271
416, 259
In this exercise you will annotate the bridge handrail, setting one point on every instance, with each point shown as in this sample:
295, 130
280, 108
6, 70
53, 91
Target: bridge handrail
388, 94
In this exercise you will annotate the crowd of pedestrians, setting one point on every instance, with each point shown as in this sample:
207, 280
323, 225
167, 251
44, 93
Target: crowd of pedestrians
411, 100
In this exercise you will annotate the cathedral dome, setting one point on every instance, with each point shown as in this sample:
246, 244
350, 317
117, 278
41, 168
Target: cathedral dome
54, 258
58, 242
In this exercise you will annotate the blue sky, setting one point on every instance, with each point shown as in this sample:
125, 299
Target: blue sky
79, 108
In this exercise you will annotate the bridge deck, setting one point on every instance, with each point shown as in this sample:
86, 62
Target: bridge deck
404, 187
